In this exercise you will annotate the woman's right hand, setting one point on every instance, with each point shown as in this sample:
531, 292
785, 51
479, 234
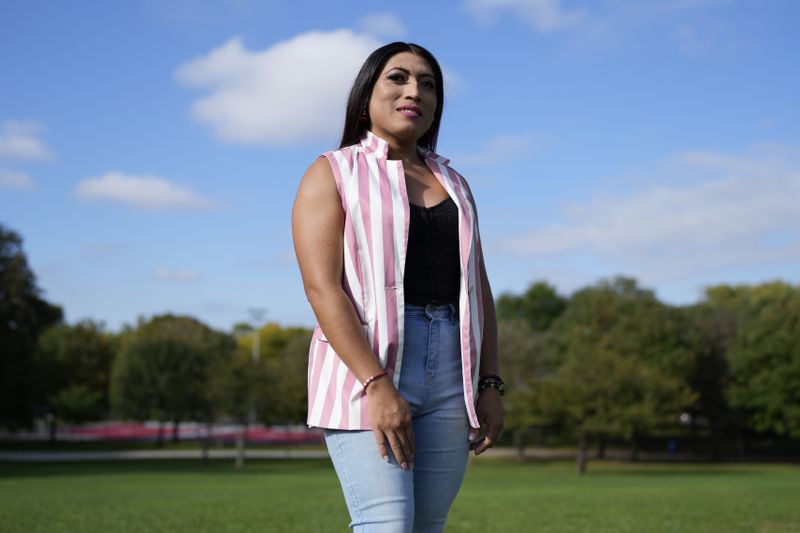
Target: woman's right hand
390, 418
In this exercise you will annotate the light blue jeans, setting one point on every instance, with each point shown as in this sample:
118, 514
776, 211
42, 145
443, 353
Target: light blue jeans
381, 496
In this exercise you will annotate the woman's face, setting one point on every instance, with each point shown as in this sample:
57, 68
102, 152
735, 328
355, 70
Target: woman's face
403, 100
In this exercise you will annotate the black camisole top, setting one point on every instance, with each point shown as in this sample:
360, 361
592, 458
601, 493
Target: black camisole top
432, 271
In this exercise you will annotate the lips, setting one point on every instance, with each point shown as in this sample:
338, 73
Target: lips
410, 108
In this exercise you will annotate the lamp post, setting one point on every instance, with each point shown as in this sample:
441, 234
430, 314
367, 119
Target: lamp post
257, 315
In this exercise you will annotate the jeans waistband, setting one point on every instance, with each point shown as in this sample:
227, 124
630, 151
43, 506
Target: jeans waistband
432, 311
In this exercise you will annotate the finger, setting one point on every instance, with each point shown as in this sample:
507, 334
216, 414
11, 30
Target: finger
484, 445
380, 439
410, 440
398, 445
494, 431
476, 436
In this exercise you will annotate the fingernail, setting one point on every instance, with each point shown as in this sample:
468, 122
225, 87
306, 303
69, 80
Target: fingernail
386, 458
472, 436
404, 465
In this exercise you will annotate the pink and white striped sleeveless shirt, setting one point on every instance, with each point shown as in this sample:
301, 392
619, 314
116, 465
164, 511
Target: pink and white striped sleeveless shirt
376, 217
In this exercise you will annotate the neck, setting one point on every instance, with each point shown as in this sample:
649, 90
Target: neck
402, 149
405, 152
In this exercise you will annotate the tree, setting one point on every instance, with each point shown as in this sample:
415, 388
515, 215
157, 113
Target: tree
539, 306
284, 396
274, 386
622, 361
164, 369
273, 338
522, 362
235, 387
523, 322
73, 371
610, 394
283, 357
765, 360
240, 329
713, 324
23, 316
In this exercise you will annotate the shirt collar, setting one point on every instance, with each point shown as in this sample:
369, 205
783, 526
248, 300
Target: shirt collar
373, 144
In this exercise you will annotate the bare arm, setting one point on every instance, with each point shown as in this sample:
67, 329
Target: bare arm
489, 358
317, 229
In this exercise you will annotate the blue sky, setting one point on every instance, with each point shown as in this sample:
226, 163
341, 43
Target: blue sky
150, 150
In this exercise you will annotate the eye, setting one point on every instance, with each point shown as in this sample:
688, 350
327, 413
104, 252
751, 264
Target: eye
429, 84
396, 77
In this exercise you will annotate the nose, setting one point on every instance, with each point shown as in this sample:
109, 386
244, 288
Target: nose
412, 90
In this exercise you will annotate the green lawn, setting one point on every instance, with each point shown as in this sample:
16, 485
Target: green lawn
127, 445
151, 496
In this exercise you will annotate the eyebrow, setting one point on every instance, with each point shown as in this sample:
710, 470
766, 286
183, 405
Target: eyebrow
427, 74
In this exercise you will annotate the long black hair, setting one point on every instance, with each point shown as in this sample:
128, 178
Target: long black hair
355, 126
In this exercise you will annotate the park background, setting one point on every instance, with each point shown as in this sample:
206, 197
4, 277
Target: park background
637, 173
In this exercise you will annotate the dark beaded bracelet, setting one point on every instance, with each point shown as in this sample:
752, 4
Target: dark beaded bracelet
491, 381
493, 385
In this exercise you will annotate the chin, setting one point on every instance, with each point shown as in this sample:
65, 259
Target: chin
408, 131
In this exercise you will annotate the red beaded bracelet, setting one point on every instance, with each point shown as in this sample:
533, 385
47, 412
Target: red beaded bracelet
370, 379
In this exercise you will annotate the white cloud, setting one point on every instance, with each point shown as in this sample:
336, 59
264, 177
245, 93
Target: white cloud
179, 276
611, 22
292, 92
614, 20
499, 149
452, 82
382, 25
18, 140
12, 179
146, 192
543, 15
739, 210
103, 250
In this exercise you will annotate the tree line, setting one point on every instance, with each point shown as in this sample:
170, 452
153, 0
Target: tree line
609, 363
612, 362
166, 368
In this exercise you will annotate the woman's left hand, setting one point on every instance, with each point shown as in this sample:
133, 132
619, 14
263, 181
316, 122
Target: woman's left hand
489, 409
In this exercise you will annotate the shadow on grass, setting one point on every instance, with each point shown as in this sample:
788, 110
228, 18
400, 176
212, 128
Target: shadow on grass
252, 467
611, 467
128, 445
257, 467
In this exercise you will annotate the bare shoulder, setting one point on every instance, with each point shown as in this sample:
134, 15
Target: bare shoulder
320, 168
318, 185
319, 175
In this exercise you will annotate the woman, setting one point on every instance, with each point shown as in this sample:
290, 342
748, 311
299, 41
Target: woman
403, 371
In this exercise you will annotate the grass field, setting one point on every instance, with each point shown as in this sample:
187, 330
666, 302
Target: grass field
298, 496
